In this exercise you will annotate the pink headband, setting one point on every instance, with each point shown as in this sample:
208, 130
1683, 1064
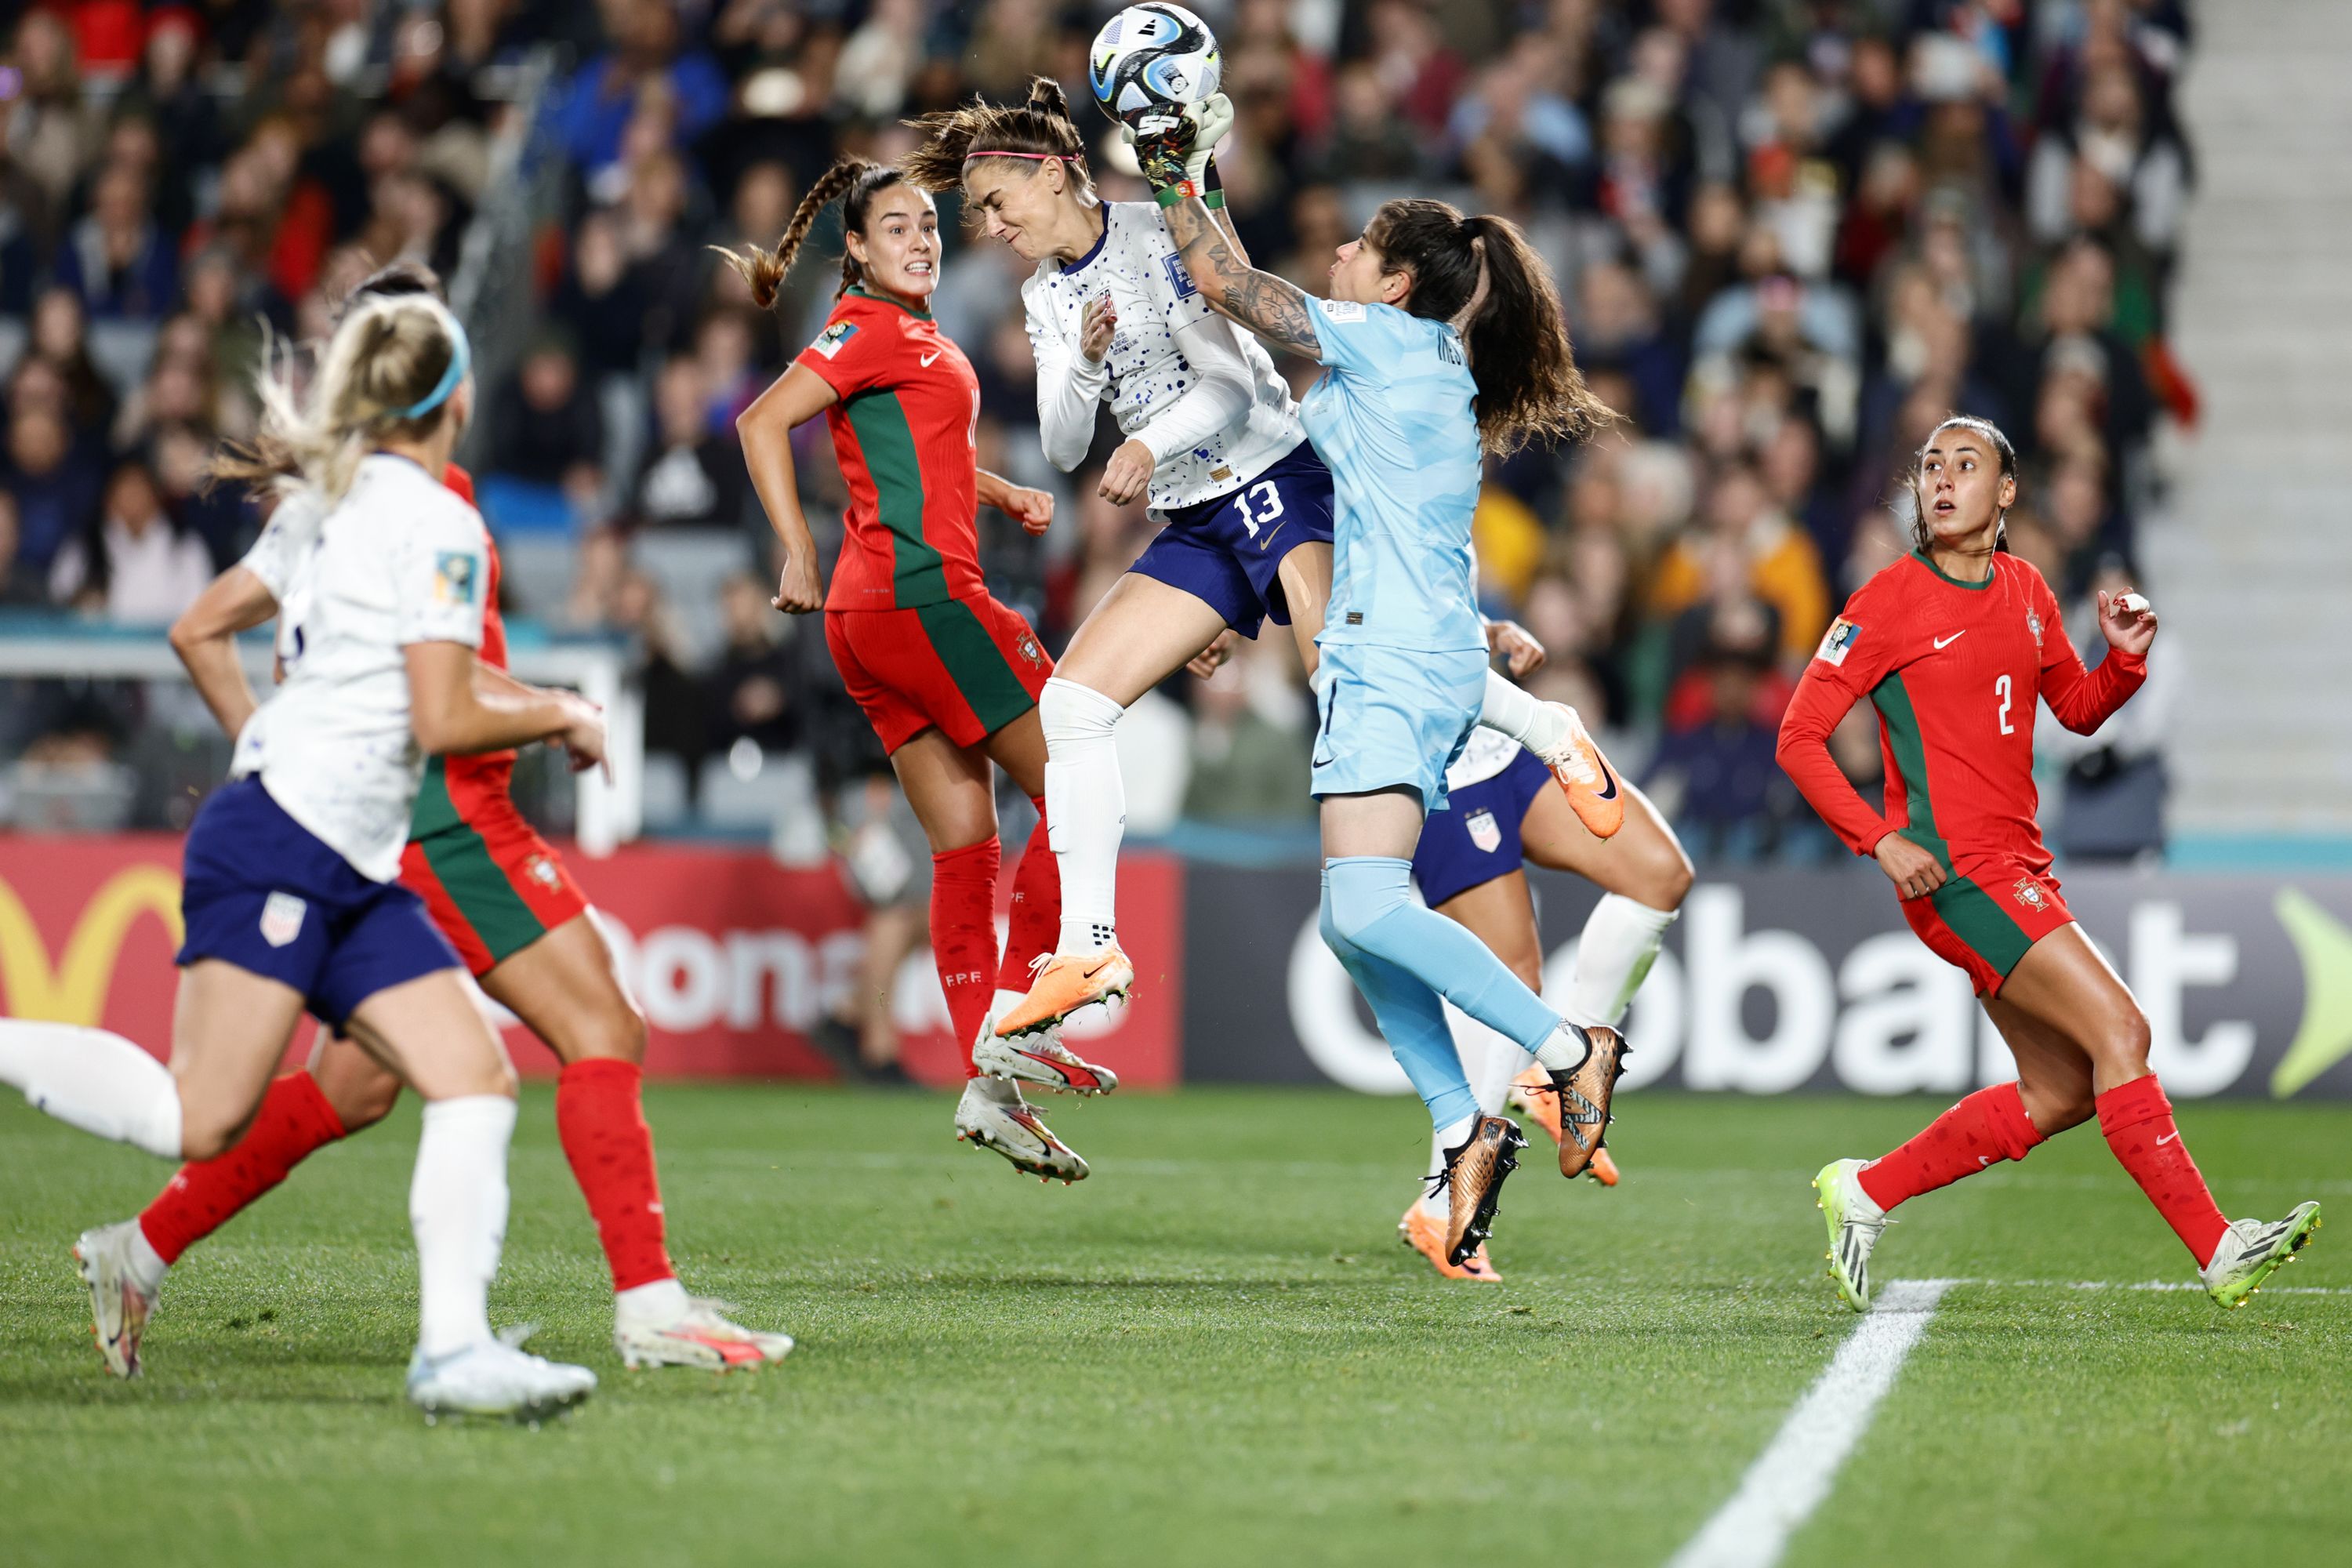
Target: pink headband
1040, 157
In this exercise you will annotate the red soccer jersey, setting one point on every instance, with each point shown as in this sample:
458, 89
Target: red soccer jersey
904, 431
1954, 669
494, 768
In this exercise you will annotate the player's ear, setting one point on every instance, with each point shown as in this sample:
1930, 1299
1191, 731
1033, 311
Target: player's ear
2006, 496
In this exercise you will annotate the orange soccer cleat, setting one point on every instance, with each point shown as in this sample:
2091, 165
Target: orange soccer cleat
1591, 786
1532, 1097
1065, 983
1425, 1234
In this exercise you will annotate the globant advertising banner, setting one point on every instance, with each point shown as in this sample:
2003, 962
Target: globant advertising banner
1779, 981
733, 958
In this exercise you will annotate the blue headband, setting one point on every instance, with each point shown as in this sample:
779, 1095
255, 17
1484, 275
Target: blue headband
461, 359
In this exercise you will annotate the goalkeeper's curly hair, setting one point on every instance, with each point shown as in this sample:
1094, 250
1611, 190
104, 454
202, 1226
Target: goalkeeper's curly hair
1041, 128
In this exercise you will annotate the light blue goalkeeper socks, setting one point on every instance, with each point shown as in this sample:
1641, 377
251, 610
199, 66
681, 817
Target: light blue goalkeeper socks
1405, 957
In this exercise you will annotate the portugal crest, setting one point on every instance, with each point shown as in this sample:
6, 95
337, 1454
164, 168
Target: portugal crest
2029, 893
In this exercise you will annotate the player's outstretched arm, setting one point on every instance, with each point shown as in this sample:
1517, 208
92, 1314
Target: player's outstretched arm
204, 636
1177, 166
765, 429
1273, 308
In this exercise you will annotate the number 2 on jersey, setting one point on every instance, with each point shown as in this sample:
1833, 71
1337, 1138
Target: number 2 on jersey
2000, 686
1269, 499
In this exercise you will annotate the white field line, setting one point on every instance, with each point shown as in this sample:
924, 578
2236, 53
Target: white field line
1791, 1477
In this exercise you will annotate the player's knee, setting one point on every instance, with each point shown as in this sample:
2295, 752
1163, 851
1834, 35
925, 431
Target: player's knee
1073, 714
362, 1101
616, 1033
1356, 903
2123, 1046
1670, 877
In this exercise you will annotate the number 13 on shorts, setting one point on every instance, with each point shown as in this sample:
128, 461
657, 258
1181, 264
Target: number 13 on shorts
1258, 505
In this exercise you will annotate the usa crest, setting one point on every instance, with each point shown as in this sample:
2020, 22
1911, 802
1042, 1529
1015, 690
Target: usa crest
281, 918
1485, 832
2029, 893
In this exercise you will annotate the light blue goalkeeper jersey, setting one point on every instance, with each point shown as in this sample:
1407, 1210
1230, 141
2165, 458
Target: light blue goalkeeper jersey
1392, 419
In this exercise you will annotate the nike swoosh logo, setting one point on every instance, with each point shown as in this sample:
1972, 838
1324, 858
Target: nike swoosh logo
1607, 777
930, 356
2162, 1142
1940, 642
1277, 528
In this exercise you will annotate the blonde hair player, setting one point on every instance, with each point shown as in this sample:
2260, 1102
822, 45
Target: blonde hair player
1215, 446
291, 893
504, 897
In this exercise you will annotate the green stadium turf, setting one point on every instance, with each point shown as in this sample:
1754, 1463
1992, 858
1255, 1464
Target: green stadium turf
1215, 1352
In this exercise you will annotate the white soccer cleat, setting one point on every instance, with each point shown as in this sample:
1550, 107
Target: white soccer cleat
119, 1305
1041, 1059
494, 1378
1855, 1224
2251, 1248
994, 1115
701, 1336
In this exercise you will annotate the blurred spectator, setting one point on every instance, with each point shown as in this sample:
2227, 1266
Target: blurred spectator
137, 565
116, 261
1246, 760
751, 692
1716, 778
692, 476
20, 588
56, 489
60, 336
550, 442
1746, 541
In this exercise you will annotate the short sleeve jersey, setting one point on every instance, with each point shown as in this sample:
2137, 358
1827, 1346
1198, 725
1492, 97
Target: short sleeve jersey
285, 546
1956, 671
1392, 418
399, 560
1136, 263
904, 431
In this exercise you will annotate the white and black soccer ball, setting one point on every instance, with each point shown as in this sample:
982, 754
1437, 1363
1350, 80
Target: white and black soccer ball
1149, 63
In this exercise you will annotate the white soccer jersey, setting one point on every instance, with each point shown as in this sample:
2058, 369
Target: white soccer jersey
282, 556
1486, 754
1199, 391
400, 561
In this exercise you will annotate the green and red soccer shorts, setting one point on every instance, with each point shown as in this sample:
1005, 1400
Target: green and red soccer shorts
966, 668
1989, 911
488, 879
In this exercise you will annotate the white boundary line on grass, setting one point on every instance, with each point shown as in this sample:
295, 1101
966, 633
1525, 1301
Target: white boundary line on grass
1791, 1477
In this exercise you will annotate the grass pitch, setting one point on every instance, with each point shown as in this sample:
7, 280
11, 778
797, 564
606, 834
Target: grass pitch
1213, 1352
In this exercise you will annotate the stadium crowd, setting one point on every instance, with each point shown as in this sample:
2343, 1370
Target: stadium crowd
1790, 235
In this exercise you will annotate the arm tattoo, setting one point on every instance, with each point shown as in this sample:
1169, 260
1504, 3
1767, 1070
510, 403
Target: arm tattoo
1269, 306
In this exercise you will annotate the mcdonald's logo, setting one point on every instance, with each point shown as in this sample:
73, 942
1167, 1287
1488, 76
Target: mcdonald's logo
75, 990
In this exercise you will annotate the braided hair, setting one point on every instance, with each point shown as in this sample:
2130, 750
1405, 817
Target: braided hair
852, 181
1039, 129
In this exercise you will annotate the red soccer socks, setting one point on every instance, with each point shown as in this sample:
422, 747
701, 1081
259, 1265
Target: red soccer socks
601, 1119
2137, 1120
1987, 1126
1036, 921
964, 935
294, 1120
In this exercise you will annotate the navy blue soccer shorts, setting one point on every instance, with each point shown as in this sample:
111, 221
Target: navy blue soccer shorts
1228, 551
261, 891
1478, 839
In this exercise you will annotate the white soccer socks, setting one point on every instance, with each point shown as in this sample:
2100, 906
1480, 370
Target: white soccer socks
1613, 957
1536, 725
458, 1208
95, 1080
1086, 809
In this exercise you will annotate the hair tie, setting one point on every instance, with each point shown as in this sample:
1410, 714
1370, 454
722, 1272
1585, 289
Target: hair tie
461, 359
1469, 311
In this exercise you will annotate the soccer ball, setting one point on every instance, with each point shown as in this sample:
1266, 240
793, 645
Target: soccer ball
1152, 62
